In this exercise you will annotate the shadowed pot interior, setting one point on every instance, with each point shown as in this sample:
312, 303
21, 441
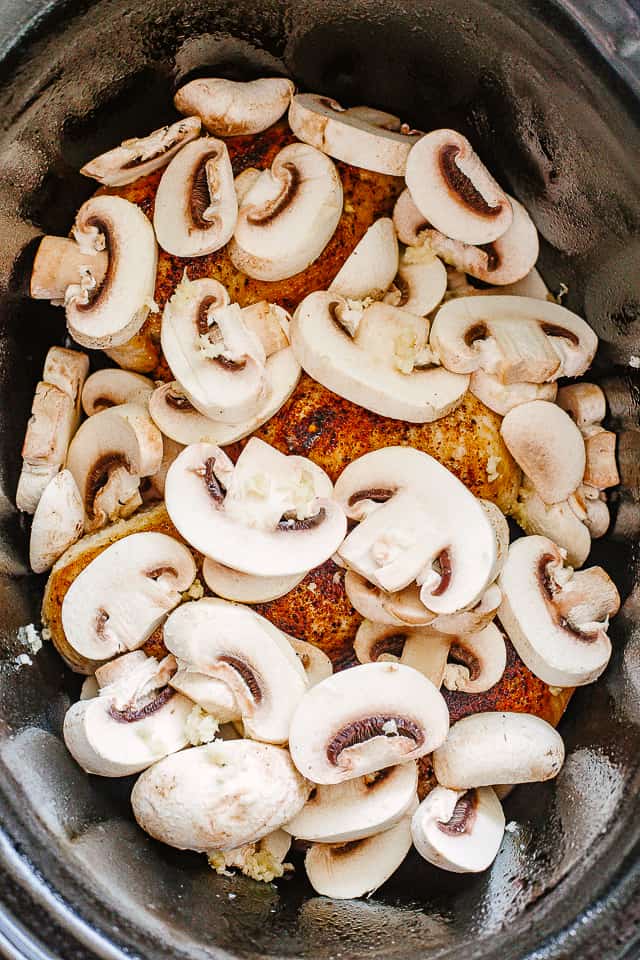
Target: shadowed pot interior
557, 121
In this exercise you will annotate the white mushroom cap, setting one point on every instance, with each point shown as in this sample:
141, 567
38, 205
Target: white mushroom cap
584, 402
558, 521
364, 719
479, 661
557, 620
422, 648
519, 339
339, 812
219, 796
373, 603
377, 362
372, 265
196, 207
141, 155
276, 518
61, 263
109, 454
354, 137
429, 516
57, 522
134, 722
460, 831
503, 397
229, 108
111, 314
245, 587
548, 447
231, 643
317, 665
454, 190
111, 387
358, 867
120, 598
420, 284
288, 215
488, 748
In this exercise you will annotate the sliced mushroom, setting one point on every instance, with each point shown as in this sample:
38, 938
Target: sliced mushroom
61, 263
196, 207
468, 622
398, 609
601, 468
58, 521
47, 437
420, 284
503, 397
231, 643
317, 665
558, 521
556, 619
244, 181
477, 661
243, 587
89, 688
548, 447
134, 722
141, 155
488, 748
459, 830
365, 719
376, 357
358, 867
271, 515
108, 456
584, 402
111, 387
110, 314
214, 696
422, 648
363, 807
229, 108
519, 339
354, 137
454, 191
372, 265
219, 796
120, 598
418, 517
590, 506
288, 215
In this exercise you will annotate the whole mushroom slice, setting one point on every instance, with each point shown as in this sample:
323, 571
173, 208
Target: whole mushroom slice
350, 136
112, 313
503, 397
108, 456
365, 719
317, 665
140, 156
548, 447
244, 587
58, 521
476, 661
557, 521
420, 522
196, 207
376, 357
372, 265
518, 339
276, 519
358, 867
288, 215
488, 748
339, 812
219, 796
120, 598
134, 722
420, 283
454, 191
111, 387
231, 643
459, 830
230, 108
556, 619
421, 648
60, 263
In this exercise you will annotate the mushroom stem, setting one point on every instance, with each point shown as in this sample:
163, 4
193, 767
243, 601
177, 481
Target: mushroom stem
587, 600
60, 263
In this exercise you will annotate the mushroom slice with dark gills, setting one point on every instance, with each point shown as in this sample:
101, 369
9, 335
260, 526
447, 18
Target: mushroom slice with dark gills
420, 283
136, 720
477, 661
556, 619
454, 191
219, 796
288, 215
139, 156
422, 648
459, 830
196, 208
216, 359
418, 523
111, 387
365, 719
270, 515
231, 108
120, 598
108, 456
110, 314
232, 644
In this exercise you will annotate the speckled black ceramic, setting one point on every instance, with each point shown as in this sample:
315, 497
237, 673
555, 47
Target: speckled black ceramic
548, 92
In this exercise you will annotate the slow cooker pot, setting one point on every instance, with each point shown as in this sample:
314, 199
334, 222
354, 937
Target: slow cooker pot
549, 94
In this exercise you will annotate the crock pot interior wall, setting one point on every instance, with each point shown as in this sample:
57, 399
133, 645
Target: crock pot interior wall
559, 132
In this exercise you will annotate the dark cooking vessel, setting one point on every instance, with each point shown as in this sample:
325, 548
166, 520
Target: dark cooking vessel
548, 92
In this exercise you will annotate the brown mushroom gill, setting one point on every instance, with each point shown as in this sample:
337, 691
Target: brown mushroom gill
214, 487
207, 328
178, 402
460, 184
377, 494
99, 475
393, 644
158, 572
553, 330
346, 849
102, 618
444, 567
133, 713
246, 674
367, 728
200, 196
374, 780
289, 523
460, 655
475, 333
464, 814
272, 209
492, 255
551, 590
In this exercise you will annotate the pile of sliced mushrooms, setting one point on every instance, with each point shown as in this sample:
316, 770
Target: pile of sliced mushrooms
244, 738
